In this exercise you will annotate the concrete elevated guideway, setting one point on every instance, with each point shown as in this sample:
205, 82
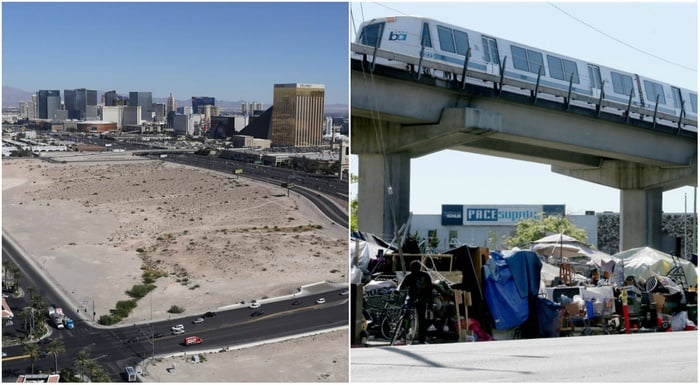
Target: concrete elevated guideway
397, 117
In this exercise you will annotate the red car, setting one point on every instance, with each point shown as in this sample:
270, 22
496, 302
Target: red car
194, 340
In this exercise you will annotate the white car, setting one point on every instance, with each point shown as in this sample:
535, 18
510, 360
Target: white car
254, 305
344, 292
199, 320
178, 329
321, 300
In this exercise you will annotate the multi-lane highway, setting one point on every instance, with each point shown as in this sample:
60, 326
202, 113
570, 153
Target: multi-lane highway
115, 348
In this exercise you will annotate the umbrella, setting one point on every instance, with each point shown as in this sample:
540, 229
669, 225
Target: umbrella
557, 238
558, 250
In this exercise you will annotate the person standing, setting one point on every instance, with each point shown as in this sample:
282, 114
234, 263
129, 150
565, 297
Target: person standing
420, 294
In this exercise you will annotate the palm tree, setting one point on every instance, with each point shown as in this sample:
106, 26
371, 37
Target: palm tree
81, 361
26, 315
92, 369
99, 374
5, 273
34, 353
55, 347
16, 274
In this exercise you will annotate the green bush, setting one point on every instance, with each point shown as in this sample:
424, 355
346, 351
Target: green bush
124, 308
140, 291
176, 309
108, 319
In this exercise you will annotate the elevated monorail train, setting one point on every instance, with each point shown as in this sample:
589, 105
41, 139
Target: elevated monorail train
430, 40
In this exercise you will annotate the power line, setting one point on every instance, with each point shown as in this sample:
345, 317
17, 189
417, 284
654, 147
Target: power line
620, 41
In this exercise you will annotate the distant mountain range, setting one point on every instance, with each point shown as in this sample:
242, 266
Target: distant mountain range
11, 96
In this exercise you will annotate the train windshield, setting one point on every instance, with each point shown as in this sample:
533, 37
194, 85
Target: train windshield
372, 34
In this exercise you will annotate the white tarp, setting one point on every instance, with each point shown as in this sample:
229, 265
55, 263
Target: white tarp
645, 262
364, 251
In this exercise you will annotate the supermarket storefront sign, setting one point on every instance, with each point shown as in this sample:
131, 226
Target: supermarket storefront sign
507, 215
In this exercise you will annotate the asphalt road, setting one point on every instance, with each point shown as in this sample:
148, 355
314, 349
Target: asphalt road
115, 348
633, 358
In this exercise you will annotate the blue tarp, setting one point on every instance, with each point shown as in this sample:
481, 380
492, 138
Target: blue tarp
508, 309
510, 279
547, 318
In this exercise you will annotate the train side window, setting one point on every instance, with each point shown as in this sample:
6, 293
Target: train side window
446, 41
425, 39
490, 50
562, 69
371, 34
462, 41
654, 89
526, 59
694, 102
622, 84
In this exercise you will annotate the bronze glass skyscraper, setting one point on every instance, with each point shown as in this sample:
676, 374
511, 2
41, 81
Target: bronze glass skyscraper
297, 115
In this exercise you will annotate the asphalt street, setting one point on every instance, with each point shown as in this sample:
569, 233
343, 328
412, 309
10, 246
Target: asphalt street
634, 358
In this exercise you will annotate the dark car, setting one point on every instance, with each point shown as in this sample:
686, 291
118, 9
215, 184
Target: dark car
297, 302
157, 335
209, 314
257, 313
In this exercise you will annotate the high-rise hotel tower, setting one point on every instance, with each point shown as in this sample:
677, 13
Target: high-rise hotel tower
297, 115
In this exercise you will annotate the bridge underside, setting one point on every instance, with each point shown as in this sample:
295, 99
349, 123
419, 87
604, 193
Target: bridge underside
396, 118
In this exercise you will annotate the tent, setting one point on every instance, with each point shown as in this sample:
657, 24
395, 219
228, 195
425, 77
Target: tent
645, 262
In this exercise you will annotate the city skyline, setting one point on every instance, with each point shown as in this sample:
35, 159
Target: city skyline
231, 51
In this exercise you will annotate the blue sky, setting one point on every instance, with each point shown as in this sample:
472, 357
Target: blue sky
663, 40
230, 51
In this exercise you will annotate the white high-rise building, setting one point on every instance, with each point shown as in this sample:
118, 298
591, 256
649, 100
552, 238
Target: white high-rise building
171, 106
116, 114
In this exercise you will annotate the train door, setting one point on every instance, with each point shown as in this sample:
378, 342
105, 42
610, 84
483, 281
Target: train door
595, 81
491, 56
677, 99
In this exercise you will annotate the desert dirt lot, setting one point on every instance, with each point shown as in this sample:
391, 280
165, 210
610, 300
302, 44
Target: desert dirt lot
95, 223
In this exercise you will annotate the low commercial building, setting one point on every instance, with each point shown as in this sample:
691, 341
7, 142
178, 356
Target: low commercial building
97, 126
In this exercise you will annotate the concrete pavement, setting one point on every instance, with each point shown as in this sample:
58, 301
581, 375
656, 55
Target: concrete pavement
648, 357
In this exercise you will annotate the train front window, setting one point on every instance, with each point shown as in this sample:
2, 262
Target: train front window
622, 84
372, 34
653, 90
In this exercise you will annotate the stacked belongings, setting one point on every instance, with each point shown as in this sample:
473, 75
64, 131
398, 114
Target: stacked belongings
671, 301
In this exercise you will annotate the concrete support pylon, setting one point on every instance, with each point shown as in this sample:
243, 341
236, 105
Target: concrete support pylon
640, 218
383, 192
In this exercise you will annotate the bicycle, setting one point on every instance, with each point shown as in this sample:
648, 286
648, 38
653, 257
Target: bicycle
384, 319
407, 325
